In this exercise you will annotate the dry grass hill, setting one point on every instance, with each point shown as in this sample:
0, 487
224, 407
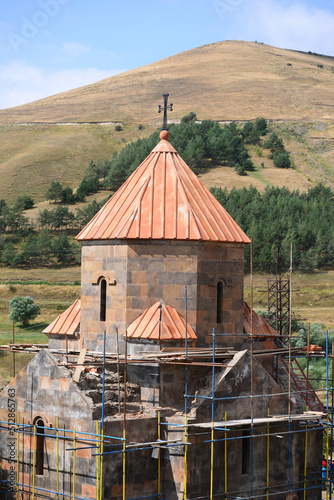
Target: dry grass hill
54, 138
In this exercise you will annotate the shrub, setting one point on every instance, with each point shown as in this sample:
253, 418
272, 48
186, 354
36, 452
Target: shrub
118, 128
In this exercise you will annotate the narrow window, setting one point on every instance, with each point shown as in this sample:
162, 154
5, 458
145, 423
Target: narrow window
39, 446
246, 448
103, 299
220, 291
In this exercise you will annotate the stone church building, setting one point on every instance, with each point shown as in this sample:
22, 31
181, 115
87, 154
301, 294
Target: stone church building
180, 408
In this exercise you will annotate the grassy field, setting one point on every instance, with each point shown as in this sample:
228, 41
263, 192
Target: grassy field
55, 138
312, 299
54, 298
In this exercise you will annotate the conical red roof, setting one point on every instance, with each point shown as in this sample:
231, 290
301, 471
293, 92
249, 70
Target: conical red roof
171, 327
163, 199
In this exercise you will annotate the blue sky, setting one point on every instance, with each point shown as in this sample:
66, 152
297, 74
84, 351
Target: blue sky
50, 46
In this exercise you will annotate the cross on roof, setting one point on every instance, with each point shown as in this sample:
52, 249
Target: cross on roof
166, 107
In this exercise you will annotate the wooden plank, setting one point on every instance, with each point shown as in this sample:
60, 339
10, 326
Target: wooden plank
79, 368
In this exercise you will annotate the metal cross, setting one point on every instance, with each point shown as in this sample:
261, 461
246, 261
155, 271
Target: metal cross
166, 107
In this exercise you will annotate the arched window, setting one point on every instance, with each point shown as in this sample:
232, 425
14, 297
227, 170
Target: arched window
103, 299
220, 293
39, 446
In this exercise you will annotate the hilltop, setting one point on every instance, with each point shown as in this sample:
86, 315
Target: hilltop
54, 138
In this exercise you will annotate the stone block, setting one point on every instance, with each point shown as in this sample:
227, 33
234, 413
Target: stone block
65, 385
139, 277
173, 291
45, 382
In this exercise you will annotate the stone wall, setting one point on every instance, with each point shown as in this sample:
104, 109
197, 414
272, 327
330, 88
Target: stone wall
233, 450
139, 274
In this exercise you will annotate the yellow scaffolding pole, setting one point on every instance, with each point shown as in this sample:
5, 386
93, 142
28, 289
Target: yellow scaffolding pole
97, 460
124, 464
185, 455
101, 465
225, 464
18, 458
268, 429
305, 460
74, 444
327, 452
211, 471
159, 455
34, 464
57, 446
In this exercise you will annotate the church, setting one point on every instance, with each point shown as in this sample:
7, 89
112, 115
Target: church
159, 382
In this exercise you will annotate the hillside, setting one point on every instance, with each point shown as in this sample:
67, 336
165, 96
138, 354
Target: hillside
54, 138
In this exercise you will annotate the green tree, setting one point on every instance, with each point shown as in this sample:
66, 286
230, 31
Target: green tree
8, 254
282, 159
274, 143
191, 118
261, 125
61, 217
240, 169
23, 202
54, 191
64, 250
67, 196
23, 309
45, 218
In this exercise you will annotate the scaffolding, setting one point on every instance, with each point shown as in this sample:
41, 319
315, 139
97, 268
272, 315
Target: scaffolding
214, 432
217, 433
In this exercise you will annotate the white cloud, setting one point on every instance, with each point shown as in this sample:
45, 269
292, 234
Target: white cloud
75, 49
291, 26
21, 83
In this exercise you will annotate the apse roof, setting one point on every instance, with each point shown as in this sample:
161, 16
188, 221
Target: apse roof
67, 323
171, 327
163, 200
260, 327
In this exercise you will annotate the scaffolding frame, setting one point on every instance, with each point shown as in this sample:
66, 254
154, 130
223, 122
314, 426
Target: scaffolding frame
213, 432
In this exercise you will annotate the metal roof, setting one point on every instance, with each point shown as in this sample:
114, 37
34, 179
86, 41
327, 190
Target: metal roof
67, 323
163, 199
171, 327
260, 327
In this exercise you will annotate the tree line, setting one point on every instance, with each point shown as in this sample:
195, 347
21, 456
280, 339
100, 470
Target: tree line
278, 217
45, 242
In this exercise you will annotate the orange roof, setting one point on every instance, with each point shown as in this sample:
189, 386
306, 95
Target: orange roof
67, 323
163, 199
172, 326
260, 327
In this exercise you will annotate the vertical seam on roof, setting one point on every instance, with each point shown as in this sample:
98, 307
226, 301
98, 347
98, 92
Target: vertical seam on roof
212, 208
189, 208
164, 194
215, 230
137, 324
171, 318
151, 213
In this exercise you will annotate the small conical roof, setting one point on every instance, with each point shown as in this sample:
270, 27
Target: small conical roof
163, 200
164, 324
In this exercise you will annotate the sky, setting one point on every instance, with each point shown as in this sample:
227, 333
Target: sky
50, 46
